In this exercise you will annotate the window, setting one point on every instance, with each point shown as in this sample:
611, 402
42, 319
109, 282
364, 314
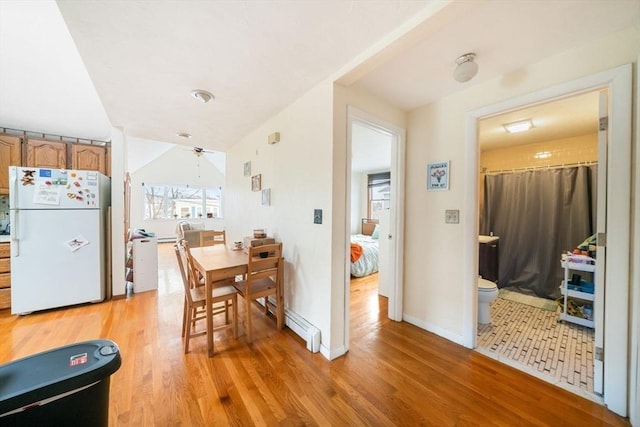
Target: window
378, 198
172, 201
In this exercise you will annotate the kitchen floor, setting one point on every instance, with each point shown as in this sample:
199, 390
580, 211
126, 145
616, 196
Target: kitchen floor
532, 338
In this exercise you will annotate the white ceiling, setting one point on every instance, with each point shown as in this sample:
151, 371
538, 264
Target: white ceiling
144, 57
44, 86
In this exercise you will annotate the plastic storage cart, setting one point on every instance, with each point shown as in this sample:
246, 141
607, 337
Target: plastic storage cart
578, 295
60, 387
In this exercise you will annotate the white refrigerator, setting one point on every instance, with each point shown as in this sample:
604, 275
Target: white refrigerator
58, 237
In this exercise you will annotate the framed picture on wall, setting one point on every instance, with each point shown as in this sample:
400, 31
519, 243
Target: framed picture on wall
266, 197
256, 184
438, 176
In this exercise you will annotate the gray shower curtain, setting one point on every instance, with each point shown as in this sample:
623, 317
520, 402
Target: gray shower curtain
538, 214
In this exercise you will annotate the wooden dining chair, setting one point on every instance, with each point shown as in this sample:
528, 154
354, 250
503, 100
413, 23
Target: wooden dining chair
263, 279
213, 237
197, 312
195, 299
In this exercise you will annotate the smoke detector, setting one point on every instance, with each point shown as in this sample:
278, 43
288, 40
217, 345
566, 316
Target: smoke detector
202, 95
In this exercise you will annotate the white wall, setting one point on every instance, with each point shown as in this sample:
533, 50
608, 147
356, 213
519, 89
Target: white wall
118, 244
298, 171
177, 166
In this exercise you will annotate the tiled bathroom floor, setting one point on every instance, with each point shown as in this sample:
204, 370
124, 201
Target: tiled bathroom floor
533, 337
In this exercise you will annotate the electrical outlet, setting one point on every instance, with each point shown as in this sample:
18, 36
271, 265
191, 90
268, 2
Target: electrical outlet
452, 216
317, 216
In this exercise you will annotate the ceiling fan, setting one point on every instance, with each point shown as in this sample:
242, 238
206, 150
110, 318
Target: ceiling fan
199, 151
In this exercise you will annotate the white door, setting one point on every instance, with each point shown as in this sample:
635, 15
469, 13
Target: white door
601, 229
384, 281
45, 270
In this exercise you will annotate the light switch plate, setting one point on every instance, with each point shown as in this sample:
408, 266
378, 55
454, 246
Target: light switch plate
452, 216
317, 216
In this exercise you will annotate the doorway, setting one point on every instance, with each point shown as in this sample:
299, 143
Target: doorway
616, 276
538, 198
390, 270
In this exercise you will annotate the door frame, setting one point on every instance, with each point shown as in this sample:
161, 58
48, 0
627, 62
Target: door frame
396, 222
618, 81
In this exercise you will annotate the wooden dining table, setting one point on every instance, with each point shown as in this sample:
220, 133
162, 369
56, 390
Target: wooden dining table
215, 263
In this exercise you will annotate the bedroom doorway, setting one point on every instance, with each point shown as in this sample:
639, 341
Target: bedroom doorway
617, 129
386, 151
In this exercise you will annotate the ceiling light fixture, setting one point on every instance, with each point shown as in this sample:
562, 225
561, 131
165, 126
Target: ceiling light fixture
542, 155
521, 126
183, 135
466, 68
202, 95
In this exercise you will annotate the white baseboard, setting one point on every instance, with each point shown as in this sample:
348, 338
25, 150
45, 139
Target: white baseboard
458, 339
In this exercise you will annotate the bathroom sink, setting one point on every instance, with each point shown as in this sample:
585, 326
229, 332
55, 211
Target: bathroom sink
487, 239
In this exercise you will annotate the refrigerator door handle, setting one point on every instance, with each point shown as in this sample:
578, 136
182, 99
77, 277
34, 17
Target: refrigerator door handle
13, 186
15, 229
13, 210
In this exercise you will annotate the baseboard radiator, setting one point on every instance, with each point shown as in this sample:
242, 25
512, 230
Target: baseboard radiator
171, 239
304, 329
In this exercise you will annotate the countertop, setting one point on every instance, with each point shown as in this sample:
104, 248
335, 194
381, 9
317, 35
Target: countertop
4, 238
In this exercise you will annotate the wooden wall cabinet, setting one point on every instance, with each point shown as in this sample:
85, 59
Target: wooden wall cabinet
108, 160
89, 157
42, 153
10, 155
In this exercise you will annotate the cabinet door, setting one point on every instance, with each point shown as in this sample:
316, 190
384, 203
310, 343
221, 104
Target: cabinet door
10, 155
108, 160
89, 157
46, 154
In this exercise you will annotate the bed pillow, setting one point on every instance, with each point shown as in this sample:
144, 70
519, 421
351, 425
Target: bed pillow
376, 232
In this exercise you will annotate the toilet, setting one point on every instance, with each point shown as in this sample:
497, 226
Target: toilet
487, 292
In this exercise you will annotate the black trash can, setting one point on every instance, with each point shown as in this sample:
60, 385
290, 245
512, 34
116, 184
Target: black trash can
66, 386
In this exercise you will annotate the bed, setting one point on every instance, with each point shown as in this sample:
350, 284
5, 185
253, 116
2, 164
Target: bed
364, 249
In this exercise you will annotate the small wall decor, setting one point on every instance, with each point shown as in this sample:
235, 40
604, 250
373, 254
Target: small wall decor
266, 197
438, 176
274, 138
256, 184
247, 168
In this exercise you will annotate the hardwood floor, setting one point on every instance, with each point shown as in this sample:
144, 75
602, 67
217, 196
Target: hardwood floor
395, 374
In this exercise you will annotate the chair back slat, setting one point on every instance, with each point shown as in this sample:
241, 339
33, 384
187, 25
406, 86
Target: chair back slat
213, 237
181, 255
192, 271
